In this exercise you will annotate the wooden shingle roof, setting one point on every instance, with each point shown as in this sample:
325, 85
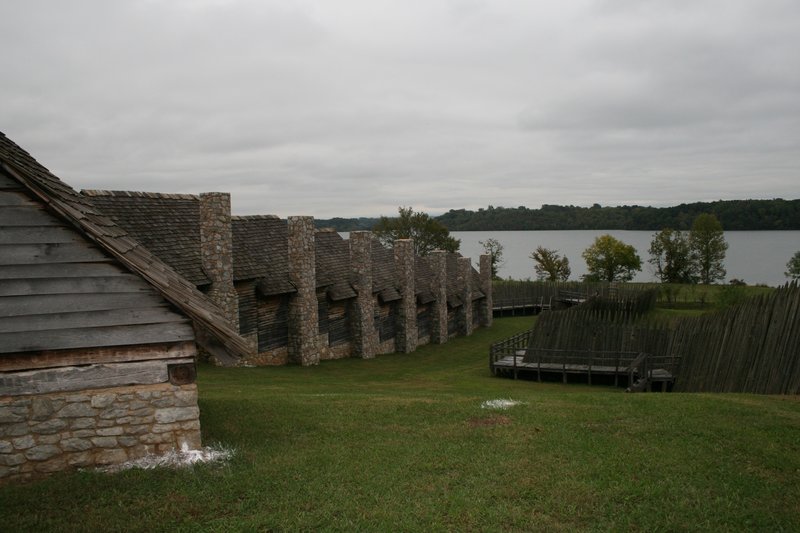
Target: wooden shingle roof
260, 251
166, 224
333, 264
384, 272
214, 331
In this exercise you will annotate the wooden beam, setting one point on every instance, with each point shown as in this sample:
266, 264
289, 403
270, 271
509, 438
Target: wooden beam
65, 303
6, 182
90, 319
89, 285
38, 235
33, 254
86, 377
15, 198
27, 216
63, 270
89, 337
83, 356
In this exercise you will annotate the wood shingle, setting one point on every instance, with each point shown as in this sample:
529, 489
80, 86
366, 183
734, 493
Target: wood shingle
61, 255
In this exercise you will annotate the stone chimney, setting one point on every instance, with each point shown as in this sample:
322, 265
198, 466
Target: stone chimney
216, 252
406, 337
486, 288
465, 293
303, 313
365, 338
439, 334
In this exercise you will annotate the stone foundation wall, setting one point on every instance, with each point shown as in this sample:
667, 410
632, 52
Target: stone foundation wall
276, 357
387, 346
327, 352
47, 433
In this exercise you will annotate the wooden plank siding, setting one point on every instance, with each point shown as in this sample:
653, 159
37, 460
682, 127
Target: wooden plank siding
386, 321
248, 307
59, 291
338, 323
62, 270
424, 321
99, 355
273, 322
40, 199
95, 376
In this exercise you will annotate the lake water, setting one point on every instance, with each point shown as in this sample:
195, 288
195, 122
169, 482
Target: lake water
752, 256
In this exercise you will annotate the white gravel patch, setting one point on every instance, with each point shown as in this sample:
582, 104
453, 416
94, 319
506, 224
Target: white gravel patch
174, 459
502, 403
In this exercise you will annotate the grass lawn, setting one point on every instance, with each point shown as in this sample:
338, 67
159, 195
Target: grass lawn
401, 443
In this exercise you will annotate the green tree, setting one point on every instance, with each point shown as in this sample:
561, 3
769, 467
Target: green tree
493, 248
610, 259
550, 266
671, 256
707, 241
793, 266
428, 233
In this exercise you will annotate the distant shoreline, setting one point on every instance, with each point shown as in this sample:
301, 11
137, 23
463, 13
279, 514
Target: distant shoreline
735, 215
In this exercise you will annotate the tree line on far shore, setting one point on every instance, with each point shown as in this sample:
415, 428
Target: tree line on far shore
734, 215
677, 256
696, 256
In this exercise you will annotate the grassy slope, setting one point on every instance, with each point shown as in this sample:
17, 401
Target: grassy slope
401, 443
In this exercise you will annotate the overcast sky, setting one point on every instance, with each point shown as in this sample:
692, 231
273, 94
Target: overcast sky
352, 108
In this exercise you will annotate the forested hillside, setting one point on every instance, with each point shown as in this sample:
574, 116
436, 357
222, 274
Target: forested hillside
735, 215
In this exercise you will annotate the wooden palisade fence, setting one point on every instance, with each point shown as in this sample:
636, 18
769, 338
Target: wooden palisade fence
509, 295
751, 347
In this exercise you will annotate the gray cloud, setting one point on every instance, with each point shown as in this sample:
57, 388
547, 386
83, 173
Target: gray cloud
353, 108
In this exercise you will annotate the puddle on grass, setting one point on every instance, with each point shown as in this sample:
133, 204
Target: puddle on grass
501, 403
174, 459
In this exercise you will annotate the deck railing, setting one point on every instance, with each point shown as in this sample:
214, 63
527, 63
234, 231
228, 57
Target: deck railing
511, 346
607, 362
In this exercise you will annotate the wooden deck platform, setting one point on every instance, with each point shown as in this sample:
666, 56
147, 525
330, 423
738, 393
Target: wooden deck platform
521, 306
637, 371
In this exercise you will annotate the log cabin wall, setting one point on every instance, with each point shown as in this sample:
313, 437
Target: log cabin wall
335, 338
424, 324
453, 321
339, 269
96, 367
386, 326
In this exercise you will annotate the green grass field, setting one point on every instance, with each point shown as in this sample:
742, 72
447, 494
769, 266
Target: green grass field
401, 443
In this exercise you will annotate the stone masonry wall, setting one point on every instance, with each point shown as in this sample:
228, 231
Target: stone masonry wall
439, 329
51, 432
216, 252
465, 311
303, 312
274, 357
406, 338
486, 289
365, 340
339, 351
